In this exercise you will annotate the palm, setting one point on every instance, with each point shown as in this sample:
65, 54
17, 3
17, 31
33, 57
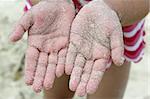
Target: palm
48, 24
51, 26
95, 36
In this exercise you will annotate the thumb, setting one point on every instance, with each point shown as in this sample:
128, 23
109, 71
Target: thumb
117, 46
21, 27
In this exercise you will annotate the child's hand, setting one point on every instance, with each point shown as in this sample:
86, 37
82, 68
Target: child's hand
48, 24
96, 34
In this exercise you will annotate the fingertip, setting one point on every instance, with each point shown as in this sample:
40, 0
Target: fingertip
91, 89
13, 38
119, 62
68, 69
73, 85
72, 88
59, 74
118, 56
95, 80
47, 86
17, 34
29, 82
81, 90
80, 94
49, 79
37, 89
28, 78
59, 70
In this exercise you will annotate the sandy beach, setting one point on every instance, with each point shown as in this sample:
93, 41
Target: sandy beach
12, 55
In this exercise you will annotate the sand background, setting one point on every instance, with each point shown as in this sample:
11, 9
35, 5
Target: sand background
11, 60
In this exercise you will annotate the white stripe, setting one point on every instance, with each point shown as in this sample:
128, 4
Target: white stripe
136, 59
28, 4
137, 45
133, 32
83, 2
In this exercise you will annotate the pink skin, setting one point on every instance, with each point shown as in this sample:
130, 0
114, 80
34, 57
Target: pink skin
48, 24
96, 34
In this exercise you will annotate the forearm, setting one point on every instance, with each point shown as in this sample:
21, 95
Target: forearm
129, 11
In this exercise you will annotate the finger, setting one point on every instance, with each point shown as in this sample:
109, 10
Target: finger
31, 60
117, 46
61, 62
51, 71
96, 75
70, 59
22, 26
81, 89
40, 72
77, 72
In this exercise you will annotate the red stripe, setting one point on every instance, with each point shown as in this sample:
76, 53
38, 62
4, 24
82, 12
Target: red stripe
132, 41
25, 9
135, 54
129, 28
77, 4
138, 60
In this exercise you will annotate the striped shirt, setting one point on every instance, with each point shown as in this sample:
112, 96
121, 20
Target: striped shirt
133, 35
